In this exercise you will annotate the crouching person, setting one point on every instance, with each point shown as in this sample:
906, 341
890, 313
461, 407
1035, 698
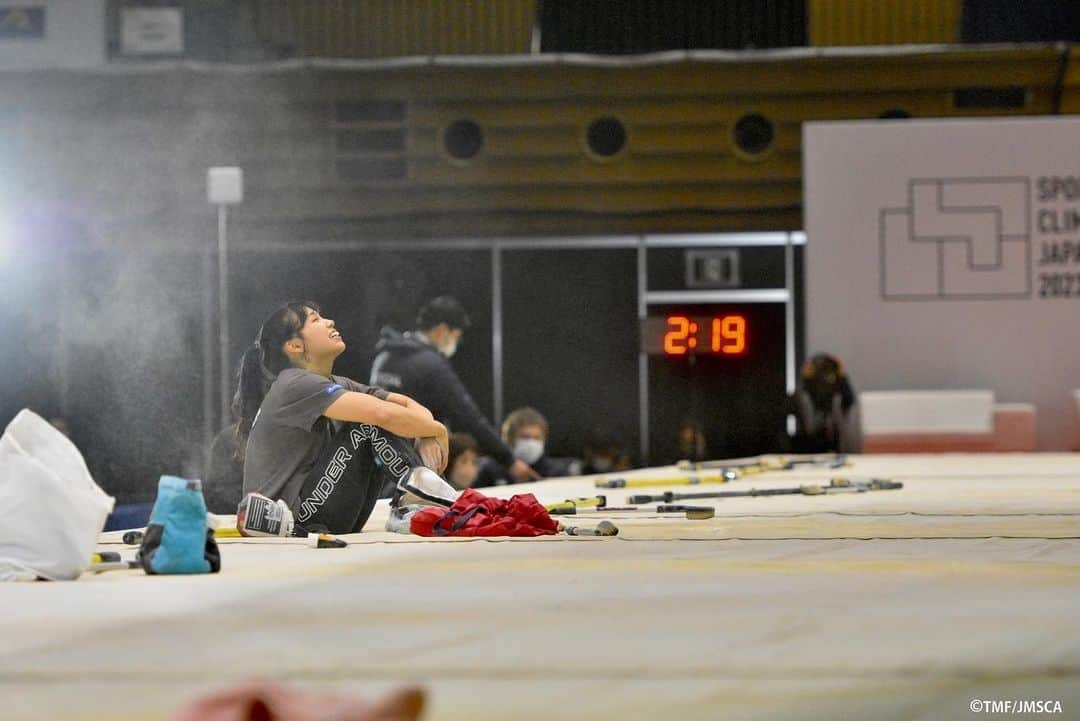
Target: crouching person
325, 444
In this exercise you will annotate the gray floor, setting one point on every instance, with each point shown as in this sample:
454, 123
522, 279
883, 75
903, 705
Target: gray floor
893, 605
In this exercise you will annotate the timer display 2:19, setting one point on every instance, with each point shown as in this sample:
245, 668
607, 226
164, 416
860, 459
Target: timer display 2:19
681, 335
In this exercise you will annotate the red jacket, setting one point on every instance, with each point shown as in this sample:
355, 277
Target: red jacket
474, 514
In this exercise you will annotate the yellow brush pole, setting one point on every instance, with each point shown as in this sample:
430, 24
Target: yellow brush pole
643, 482
572, 503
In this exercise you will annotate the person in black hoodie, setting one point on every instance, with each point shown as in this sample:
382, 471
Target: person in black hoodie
416, 363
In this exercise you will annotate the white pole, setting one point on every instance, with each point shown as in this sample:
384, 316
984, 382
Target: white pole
223, 321
789, 326
209, 430
224, 187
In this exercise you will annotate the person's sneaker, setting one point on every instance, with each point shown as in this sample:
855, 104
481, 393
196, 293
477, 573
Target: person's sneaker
258, 515
400, 518
424, 486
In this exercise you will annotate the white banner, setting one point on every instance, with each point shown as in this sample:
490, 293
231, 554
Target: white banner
946, 254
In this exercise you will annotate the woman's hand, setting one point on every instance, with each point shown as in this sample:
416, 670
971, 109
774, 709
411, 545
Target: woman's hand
435, 450
443, 437
522, 472
431, 453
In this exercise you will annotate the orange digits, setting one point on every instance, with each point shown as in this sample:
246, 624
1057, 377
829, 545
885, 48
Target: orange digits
731, 328
678, 332
735, 330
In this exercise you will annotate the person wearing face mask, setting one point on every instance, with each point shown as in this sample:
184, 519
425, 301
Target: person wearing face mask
525, 431
417, 364
603, 453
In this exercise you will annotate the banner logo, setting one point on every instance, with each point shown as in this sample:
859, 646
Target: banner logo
958, 239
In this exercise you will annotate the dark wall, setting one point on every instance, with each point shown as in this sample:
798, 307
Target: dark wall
995, 21
570, 341
641, 26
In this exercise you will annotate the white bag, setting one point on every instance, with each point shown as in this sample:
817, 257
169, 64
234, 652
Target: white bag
51, 511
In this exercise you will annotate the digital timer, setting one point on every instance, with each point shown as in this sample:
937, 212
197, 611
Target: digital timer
722, 364
678, 335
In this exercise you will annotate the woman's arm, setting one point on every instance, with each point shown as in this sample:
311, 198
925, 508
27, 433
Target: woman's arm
435, 451
409, 421
407, 402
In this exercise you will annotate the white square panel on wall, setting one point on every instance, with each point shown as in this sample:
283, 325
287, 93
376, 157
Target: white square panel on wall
945, 254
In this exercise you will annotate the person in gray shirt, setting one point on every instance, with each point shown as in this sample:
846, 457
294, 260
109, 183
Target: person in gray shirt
325, 444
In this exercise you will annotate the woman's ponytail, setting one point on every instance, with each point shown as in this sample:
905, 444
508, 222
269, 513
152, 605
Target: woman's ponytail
249, 396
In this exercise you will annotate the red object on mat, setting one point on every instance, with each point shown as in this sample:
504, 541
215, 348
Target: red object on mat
269, 701
474, 514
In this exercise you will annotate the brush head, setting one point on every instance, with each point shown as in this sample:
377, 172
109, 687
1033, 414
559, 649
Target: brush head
607, 528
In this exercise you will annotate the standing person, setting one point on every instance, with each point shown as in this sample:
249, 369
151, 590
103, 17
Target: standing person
325, 444
417, 364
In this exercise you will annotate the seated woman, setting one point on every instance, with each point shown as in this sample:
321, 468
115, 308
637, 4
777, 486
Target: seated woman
325, 444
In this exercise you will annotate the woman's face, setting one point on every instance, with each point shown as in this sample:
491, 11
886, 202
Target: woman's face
463, 474
320, 337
